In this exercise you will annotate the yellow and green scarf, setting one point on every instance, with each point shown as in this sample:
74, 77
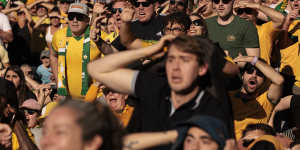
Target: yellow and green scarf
62, 88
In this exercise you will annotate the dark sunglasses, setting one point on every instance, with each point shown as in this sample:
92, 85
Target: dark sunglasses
79, 17
144, 4
173, 2
65, 2
223, 1
103, 24
246, 143
197, 22
114, 10
250, 70
240, 11
54, 17
29, 111
107, 90
20, 13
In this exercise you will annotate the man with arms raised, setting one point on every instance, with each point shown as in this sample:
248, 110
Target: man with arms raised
164, 102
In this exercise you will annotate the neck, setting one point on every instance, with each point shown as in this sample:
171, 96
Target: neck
247, 95
226, 19
179, 99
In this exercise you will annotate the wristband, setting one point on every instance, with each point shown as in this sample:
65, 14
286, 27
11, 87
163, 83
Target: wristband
254, 60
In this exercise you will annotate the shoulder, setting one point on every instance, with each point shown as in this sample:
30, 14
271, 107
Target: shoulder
211, 19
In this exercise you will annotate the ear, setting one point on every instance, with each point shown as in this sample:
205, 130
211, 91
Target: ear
94, 144
203, 70
125, 96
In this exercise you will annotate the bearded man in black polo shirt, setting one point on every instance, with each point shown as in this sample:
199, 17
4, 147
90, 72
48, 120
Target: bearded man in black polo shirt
165, 102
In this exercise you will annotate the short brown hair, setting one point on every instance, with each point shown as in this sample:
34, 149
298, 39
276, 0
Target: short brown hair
197, 45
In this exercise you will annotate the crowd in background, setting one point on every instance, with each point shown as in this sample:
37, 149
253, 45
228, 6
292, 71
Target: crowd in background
150, 74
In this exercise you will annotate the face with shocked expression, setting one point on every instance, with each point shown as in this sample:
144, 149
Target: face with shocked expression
182, 69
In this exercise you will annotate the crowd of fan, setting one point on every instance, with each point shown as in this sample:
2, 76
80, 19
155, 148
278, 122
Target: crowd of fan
149, 74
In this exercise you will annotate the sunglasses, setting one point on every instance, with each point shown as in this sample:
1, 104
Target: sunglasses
173, 2
240, 11
223, 1
197, 22
79, 17
103, 23
54, 17
29, 111
115, 10
20, 13
250, 70
65, 2
144, 4
107, 90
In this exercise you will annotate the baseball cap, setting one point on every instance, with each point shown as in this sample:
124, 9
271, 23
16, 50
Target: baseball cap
213, 126
31, 104
45, 53
79, 8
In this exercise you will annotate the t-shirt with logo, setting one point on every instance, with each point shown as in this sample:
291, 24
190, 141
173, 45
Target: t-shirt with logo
234, 37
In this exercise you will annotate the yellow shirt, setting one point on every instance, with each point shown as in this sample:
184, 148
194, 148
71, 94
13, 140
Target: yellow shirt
109, 37
267, 34
15, 142
35, 19
290, 57
253, 111
73, 59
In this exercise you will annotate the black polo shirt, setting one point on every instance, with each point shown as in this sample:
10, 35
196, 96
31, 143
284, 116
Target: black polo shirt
151, 30
155, 108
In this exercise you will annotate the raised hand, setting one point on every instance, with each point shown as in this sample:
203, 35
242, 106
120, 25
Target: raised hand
127, 14
99, 8
95, 31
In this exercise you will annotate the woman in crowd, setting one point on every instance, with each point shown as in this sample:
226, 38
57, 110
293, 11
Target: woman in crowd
55, 24
16, 75
77, 125
9, 106
198, 26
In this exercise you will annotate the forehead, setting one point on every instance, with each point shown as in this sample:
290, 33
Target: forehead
61, 116
176, 51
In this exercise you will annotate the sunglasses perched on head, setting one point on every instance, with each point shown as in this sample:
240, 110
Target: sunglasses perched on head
223, 1
197, 22
79, 17
144, 4
240, 11
29, 111
250, 69
173, 2
115, 10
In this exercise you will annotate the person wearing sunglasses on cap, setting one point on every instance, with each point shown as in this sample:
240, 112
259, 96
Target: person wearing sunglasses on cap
233, 34
254, 102
267, 32
73, 49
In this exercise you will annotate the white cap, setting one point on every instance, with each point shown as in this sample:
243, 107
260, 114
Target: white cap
79, 8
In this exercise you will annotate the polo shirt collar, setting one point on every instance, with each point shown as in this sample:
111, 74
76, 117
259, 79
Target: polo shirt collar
192, 104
